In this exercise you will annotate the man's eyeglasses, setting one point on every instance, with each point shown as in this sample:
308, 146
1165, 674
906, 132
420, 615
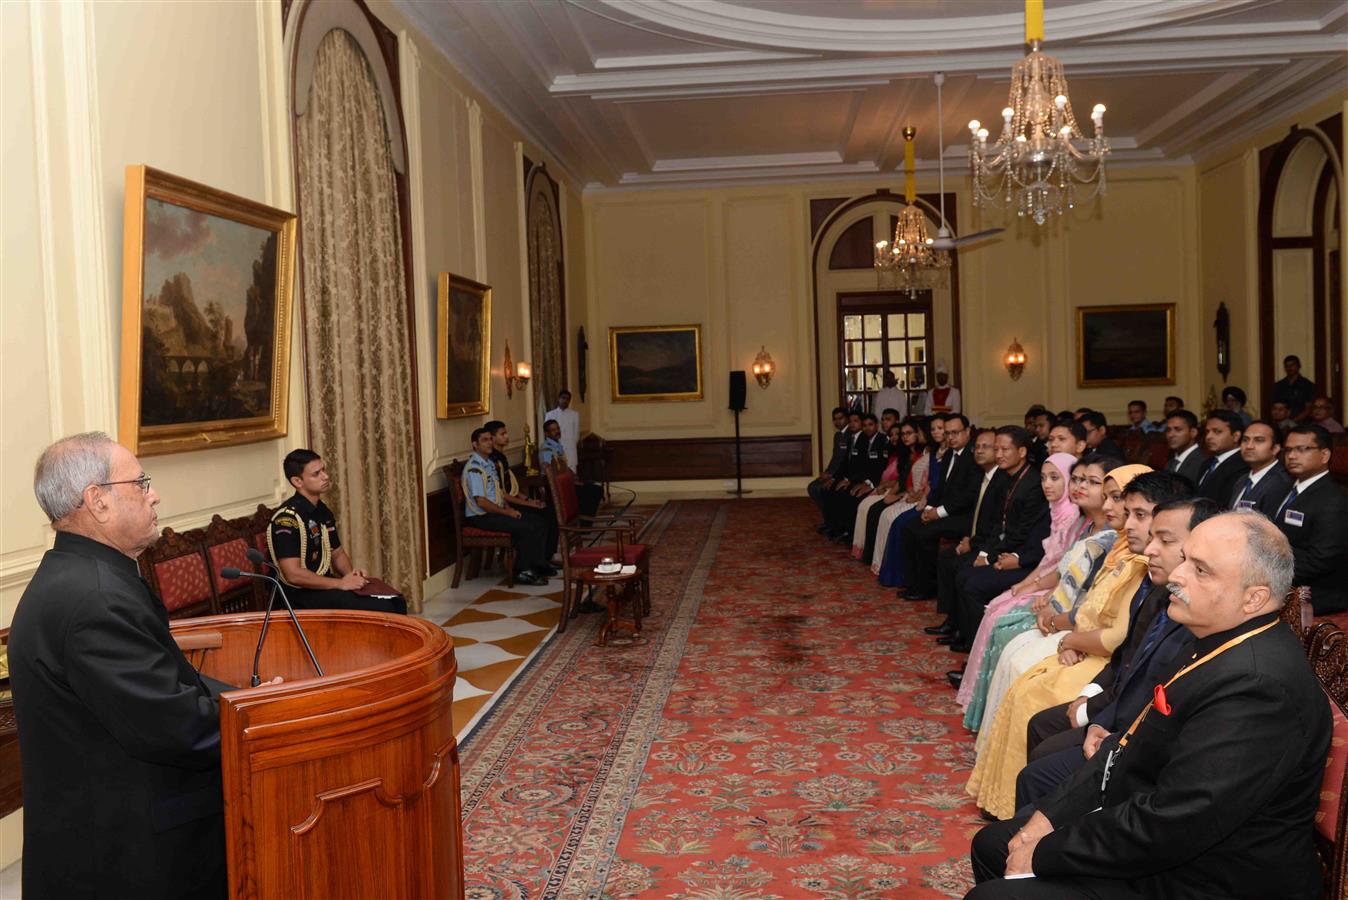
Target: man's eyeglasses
143, 481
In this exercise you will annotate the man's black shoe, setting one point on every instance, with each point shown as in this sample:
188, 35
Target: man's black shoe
961, 646
844, 538
952, 637
955, 677
822, 528
946, 627
914, 597
543, 570
589, 606
530, 578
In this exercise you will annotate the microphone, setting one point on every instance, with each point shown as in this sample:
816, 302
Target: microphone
256, 558
229, 572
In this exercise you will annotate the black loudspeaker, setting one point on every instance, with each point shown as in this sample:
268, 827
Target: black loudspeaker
737, 390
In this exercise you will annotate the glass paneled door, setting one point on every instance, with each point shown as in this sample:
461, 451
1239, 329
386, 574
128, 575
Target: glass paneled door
883, 331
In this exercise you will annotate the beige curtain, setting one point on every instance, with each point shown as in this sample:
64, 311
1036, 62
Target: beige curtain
357, 358
545, 291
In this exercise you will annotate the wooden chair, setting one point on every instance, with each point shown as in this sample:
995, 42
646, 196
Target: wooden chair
472, 544
578, 550
227, 544
595, 457
177, 569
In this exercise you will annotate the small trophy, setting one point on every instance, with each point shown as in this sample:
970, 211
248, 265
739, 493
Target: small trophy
530, 453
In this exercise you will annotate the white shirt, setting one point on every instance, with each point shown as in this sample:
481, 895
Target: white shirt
890, 398
1307, 482
1180, 458
1221, 458
569, 421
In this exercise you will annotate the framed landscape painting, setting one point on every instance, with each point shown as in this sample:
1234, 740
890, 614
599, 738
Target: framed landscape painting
1124, 346
463, 347
206, 297
658, 362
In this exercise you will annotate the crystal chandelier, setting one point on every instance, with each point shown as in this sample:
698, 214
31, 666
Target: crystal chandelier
1041, 155
910, 263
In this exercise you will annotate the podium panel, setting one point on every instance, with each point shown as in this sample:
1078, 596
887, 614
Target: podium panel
344, 786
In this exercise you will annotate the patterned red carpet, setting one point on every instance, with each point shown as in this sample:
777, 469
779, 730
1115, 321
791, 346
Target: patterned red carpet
781, 730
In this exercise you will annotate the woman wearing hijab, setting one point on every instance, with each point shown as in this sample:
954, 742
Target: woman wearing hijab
1068, 525
1100, 625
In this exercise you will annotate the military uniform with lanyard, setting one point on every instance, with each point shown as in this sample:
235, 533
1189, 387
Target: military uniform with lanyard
545, 517
308, 532
481, 479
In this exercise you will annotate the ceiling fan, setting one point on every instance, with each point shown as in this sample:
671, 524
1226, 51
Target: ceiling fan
945, 238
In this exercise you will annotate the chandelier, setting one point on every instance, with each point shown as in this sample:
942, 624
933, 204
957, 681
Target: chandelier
1041, 155
910, 262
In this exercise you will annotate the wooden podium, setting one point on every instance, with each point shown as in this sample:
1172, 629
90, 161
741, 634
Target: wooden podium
345, 786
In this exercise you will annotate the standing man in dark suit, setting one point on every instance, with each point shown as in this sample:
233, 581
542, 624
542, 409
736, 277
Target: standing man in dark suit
1267, 482
1181, 436
948, 513
1225, 467
1212, 790
1313, 515
865, 464
119, 735
843, 435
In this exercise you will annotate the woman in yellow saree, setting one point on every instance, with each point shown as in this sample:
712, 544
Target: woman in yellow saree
1101, 625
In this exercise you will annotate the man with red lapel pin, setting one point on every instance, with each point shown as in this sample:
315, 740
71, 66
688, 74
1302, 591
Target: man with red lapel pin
1212, 790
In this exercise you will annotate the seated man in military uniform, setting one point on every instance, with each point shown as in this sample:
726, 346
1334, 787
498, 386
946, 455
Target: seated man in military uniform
306, 550
535, 510
588, 495
486, 506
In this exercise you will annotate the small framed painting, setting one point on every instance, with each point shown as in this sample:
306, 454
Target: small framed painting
463, 348
206, 295
1126, 346
656, 362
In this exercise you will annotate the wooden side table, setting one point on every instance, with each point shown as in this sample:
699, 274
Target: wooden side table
617, 588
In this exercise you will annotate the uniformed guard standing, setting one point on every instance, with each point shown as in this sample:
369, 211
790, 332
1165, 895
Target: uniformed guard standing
486, 507
307, 551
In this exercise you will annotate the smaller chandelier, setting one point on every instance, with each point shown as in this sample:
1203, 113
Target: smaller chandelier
1041, 156
910, 263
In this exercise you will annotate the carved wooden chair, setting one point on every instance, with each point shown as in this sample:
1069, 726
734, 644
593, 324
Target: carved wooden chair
475, 547
177, 570
579, 550
227, 544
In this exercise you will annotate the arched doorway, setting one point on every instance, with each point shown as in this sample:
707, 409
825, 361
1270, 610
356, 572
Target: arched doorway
1301, 301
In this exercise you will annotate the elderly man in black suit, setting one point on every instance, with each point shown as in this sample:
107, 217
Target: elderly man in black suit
1267, 482
948, 513
1225, 467
1181, 436
1212, 790
845, 430
119, 735
1313, 514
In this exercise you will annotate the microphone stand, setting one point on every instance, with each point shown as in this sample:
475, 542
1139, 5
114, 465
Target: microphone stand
231, 573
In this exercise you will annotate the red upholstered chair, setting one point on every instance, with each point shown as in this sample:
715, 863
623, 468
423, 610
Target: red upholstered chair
472, 544
227, 544
579, 548
176, 568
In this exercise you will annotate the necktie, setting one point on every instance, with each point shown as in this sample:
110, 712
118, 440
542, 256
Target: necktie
950, 465
1153, 634
1173, 465
1141, 594
1207, 470
1245, 491
982, 489
1292, 495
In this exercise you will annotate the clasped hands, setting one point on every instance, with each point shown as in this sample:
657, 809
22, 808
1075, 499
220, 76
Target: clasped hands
1020, 849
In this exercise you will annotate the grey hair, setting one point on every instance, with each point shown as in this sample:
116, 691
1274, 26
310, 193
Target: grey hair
1268, 555
69, 466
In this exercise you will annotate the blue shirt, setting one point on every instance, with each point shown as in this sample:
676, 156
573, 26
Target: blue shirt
479, 480
553, 450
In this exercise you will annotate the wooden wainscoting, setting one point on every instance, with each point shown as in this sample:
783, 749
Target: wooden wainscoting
440, 529
683, 459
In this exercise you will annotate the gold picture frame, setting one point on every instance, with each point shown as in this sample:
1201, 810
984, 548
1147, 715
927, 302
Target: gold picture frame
463, 347
655, 363
1128, 345
212, 262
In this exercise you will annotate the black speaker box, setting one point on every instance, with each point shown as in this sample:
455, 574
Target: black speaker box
737, 390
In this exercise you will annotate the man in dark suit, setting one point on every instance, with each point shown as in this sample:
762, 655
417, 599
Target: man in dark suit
948, 513
1000, 556
1267, 482
1181, 436
865, 464
1145, 658
119, 735
843, 435
1212, 790
1039, 422
1097, 435
991, 492
1225, 467
1313, 515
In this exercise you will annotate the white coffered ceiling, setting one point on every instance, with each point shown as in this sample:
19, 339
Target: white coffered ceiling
641, 92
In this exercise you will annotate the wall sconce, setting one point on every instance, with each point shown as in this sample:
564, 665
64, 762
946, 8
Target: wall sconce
517, 375
764, 368
1015, 359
